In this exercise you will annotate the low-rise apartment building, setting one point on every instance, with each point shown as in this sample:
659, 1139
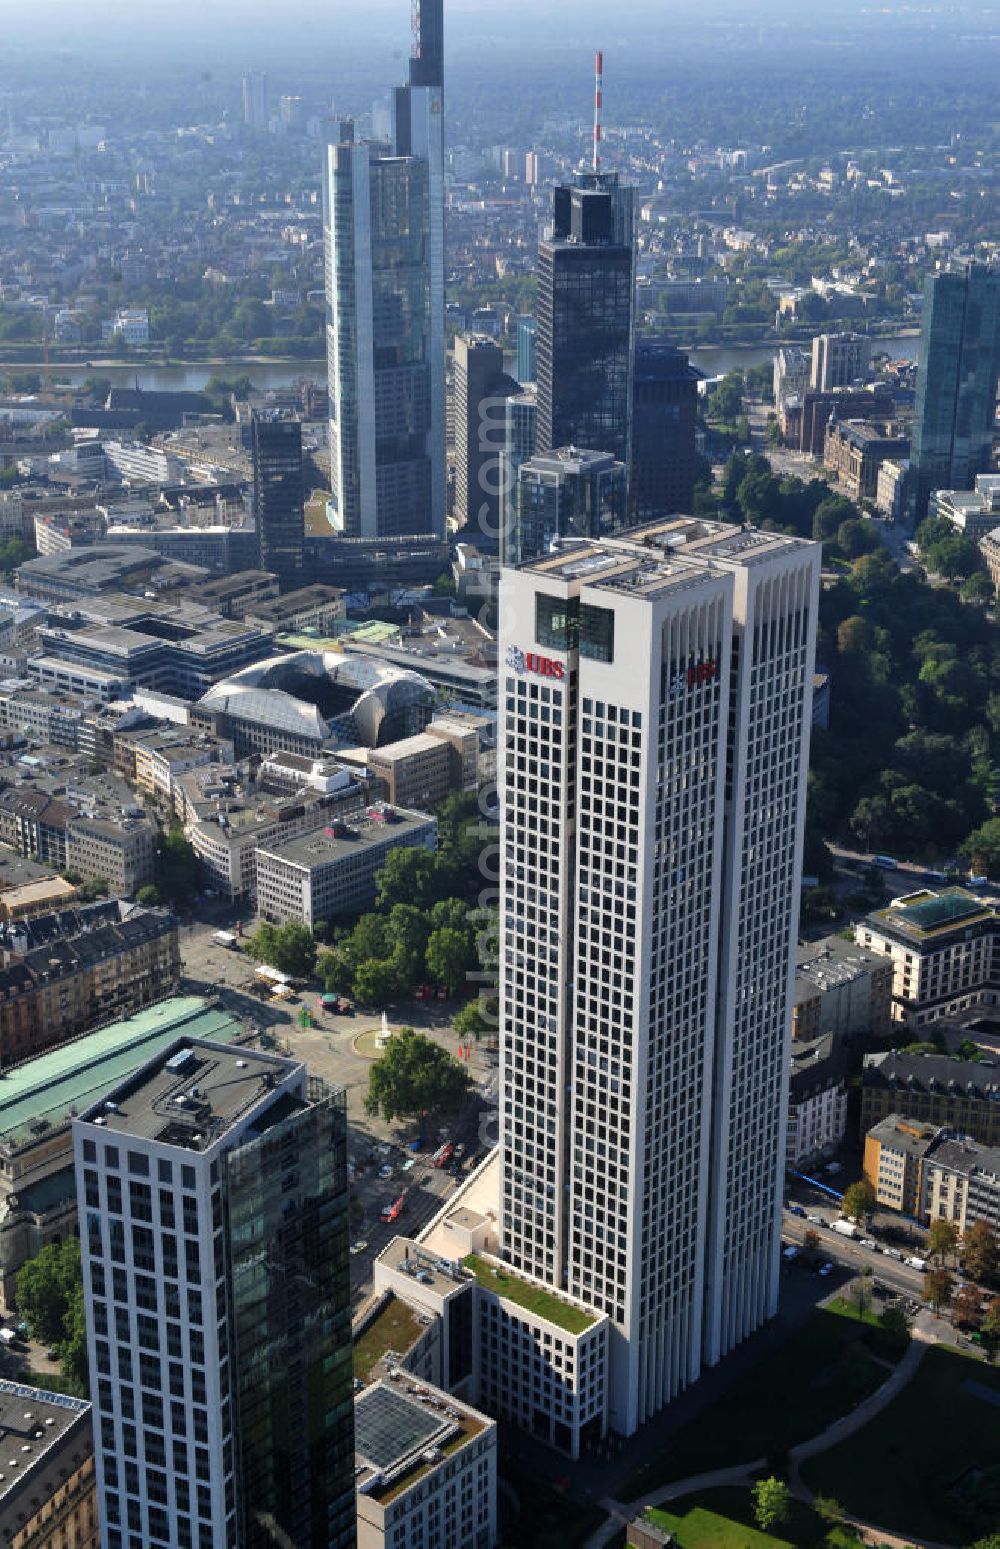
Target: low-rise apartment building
895, 1149
945, 953
961, 1183
959, 1095
66, 972
817, 1099
48, 1488
329, 872
840, 988
165, 752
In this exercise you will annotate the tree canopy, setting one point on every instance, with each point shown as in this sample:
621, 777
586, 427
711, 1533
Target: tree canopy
415, 1076
771, 1503
288, 948
859, 1200
50, 1300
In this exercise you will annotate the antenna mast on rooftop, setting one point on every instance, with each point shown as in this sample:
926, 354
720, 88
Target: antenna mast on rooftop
598, 103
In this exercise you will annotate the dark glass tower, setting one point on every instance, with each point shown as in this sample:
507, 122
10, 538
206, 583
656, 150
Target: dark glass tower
214, 1242
287, 1199
957, 380
664, 410
481, 391
278, 497
585, 316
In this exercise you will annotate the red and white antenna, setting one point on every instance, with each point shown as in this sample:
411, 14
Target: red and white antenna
598, 103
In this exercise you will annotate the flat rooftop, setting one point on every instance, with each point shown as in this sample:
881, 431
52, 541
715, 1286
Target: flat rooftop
329, 843
190, 1094
45, 1093
670, 553
44, 1437
392, 1331
922, 916
402, 1430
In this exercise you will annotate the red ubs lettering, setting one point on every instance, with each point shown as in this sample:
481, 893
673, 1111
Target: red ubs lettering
543, 665
701, 672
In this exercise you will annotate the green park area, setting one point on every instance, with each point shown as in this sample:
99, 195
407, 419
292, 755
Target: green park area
821, 1372
723, 1519
929, 1464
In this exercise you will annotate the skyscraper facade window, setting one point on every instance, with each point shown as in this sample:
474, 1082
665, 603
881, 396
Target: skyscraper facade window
585, 318
655, 694
278, 494
959, 364
214, 1227
664, 416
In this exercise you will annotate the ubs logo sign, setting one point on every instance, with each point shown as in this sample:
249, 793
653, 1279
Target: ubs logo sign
522, 662
694, 676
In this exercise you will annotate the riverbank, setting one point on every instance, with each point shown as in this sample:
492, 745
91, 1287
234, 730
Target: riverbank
271, 373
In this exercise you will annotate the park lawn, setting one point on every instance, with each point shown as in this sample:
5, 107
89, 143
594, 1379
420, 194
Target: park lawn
821, 1372
904, 1471
723, 1519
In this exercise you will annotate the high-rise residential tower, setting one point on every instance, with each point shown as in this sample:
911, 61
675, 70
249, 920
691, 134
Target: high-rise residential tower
214, 1231
838, 360
481, 391
664, 416
655, 697
585, 309
278, 494
255, 106
958, 368
384, 238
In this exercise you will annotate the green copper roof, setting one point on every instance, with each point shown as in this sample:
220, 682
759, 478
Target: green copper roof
44, 1093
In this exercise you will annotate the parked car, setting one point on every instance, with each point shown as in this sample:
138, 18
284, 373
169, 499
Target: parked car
386, 1171
867, 1242
826, 1269
359, 1246
796, 1210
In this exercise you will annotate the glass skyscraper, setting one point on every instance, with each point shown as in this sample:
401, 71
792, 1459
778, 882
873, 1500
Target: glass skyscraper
957, 380
384, 232
214, 1235
664, 415
278, 494
564, 494
379, 341
585, 318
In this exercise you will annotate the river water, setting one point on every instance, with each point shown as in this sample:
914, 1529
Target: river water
712, 360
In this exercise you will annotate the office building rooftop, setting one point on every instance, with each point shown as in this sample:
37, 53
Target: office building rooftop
192, 1093
401, 1433
44, 1438
45, 1093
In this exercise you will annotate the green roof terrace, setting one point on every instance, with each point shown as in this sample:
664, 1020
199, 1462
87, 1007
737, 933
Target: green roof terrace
922, 915
544, 1303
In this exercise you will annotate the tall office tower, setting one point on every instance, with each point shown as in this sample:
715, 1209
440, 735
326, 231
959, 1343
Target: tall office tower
838, 360
585, 310
481, 392
382, 422
278, 495
384, 239
568, 493
255, 111
956, 380
520, 431
214, 1228
526, 331
418, 130
664, 415
655, 700
532, 169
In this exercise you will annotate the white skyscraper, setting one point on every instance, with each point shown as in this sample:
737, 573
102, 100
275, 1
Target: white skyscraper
655, 694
